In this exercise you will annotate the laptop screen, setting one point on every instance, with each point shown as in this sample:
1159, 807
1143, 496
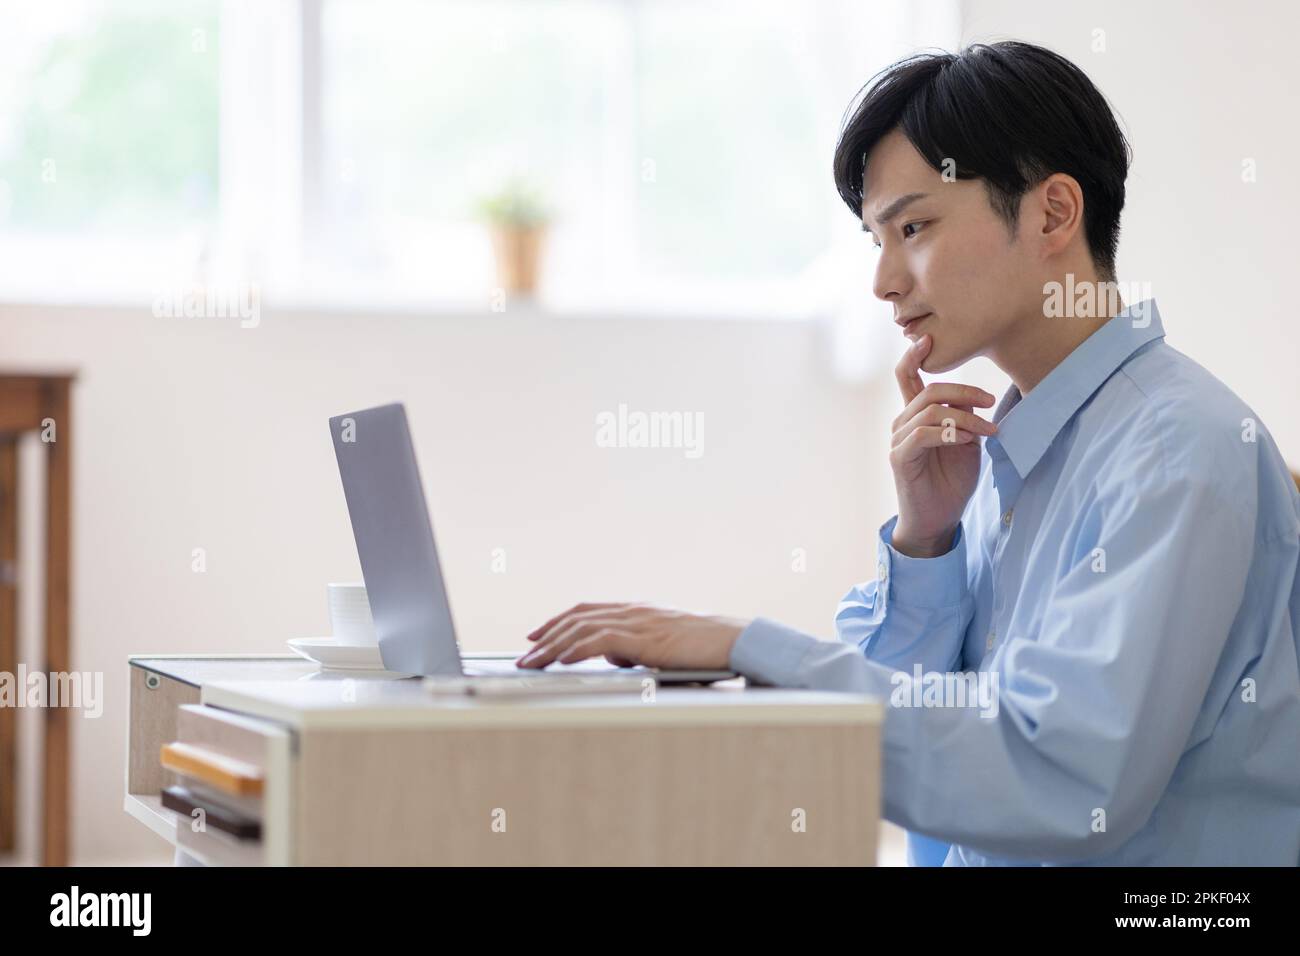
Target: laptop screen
390, 522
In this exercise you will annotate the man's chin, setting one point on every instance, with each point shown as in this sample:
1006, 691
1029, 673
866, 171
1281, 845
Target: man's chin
940, 360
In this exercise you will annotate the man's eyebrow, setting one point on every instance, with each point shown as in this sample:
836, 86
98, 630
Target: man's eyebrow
894, 208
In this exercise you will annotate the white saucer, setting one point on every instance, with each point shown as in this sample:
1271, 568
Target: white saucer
333, 656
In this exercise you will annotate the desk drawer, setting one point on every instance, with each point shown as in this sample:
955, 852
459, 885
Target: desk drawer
222, 733
243, 765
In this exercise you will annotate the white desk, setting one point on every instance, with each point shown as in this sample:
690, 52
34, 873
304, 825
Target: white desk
367, 771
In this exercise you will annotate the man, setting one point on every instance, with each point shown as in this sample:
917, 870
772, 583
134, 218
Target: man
1115, 553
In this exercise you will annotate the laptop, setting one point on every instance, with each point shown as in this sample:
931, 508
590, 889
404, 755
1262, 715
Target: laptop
399, 562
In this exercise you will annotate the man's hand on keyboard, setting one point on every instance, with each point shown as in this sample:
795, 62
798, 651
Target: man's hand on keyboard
630, 634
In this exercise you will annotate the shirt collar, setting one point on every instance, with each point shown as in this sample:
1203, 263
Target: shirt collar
1027, 425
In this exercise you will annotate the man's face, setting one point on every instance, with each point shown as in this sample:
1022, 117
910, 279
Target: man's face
946, 253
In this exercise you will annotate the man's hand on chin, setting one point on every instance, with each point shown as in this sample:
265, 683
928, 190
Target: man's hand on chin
630, 634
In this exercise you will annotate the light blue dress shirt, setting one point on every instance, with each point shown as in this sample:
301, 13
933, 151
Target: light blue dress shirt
1125, 577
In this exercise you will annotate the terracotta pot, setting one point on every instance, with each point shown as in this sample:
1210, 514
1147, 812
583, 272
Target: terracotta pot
518, 252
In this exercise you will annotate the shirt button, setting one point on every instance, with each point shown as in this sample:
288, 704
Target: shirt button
988, 646
882, 572
1006, 518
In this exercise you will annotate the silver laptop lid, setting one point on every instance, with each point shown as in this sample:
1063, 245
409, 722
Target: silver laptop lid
394, 536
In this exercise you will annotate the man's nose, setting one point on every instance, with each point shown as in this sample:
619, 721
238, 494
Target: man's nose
891, 281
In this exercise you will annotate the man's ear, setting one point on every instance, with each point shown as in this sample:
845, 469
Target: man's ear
1058, 208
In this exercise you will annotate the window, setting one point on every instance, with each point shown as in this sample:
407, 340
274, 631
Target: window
679, 143
335, 151
433, 105
108, 135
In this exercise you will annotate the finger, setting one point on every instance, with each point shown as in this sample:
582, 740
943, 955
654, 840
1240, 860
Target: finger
538, 632
908, 369
562, 634
944, 393
576, 609
559, 640
547, 650
927, 436
605, 641
945, 416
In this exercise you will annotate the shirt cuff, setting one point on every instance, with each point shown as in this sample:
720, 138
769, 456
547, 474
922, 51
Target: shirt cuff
770, 653
929, 583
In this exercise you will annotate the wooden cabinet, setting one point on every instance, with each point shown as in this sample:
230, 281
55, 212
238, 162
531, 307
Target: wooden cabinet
357, 771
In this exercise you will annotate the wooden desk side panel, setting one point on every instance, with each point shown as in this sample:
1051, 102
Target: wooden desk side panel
8, 638
673, 795
153, 723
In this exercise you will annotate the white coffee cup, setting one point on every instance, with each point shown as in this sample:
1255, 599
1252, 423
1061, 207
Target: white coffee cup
349, 609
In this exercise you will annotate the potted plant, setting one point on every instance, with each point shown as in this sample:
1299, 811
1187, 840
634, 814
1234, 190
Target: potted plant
517, 217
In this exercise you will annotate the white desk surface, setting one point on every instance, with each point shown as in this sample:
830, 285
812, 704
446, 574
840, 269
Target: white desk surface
406, 703
293, 692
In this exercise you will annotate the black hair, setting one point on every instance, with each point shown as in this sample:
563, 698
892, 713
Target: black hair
1010, 113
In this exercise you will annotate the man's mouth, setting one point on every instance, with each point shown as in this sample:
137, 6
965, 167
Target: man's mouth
910, 327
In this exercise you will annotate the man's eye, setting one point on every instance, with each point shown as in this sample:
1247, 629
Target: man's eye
911, 225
